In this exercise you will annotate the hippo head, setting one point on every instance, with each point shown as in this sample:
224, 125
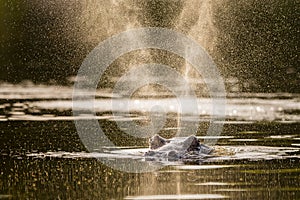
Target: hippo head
177, 148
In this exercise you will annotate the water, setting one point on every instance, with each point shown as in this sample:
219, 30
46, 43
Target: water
257, 155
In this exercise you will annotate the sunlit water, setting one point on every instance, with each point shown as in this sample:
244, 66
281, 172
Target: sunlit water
257, 155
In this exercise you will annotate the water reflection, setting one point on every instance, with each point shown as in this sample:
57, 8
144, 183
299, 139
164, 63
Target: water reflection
87, 178
179, 196
54, 103
42, 155
72, 174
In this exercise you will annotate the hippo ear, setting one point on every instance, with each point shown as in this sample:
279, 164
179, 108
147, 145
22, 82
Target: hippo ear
192, 140
156, 141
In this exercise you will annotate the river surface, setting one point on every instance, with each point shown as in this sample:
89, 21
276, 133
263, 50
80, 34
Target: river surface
42, 156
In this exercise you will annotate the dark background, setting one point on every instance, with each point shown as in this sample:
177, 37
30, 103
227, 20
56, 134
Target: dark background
44, 42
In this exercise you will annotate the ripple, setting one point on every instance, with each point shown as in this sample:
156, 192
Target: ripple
240, 109
236, 153
243, 140
257, 189
5, 196
272, 171
223, 184
178, 196
258, 153
281, 136
195, 167
298, 145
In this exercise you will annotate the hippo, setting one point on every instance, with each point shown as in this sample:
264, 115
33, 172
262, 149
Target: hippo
188, 148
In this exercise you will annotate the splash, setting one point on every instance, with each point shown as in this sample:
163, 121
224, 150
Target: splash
102, 19
196, 20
